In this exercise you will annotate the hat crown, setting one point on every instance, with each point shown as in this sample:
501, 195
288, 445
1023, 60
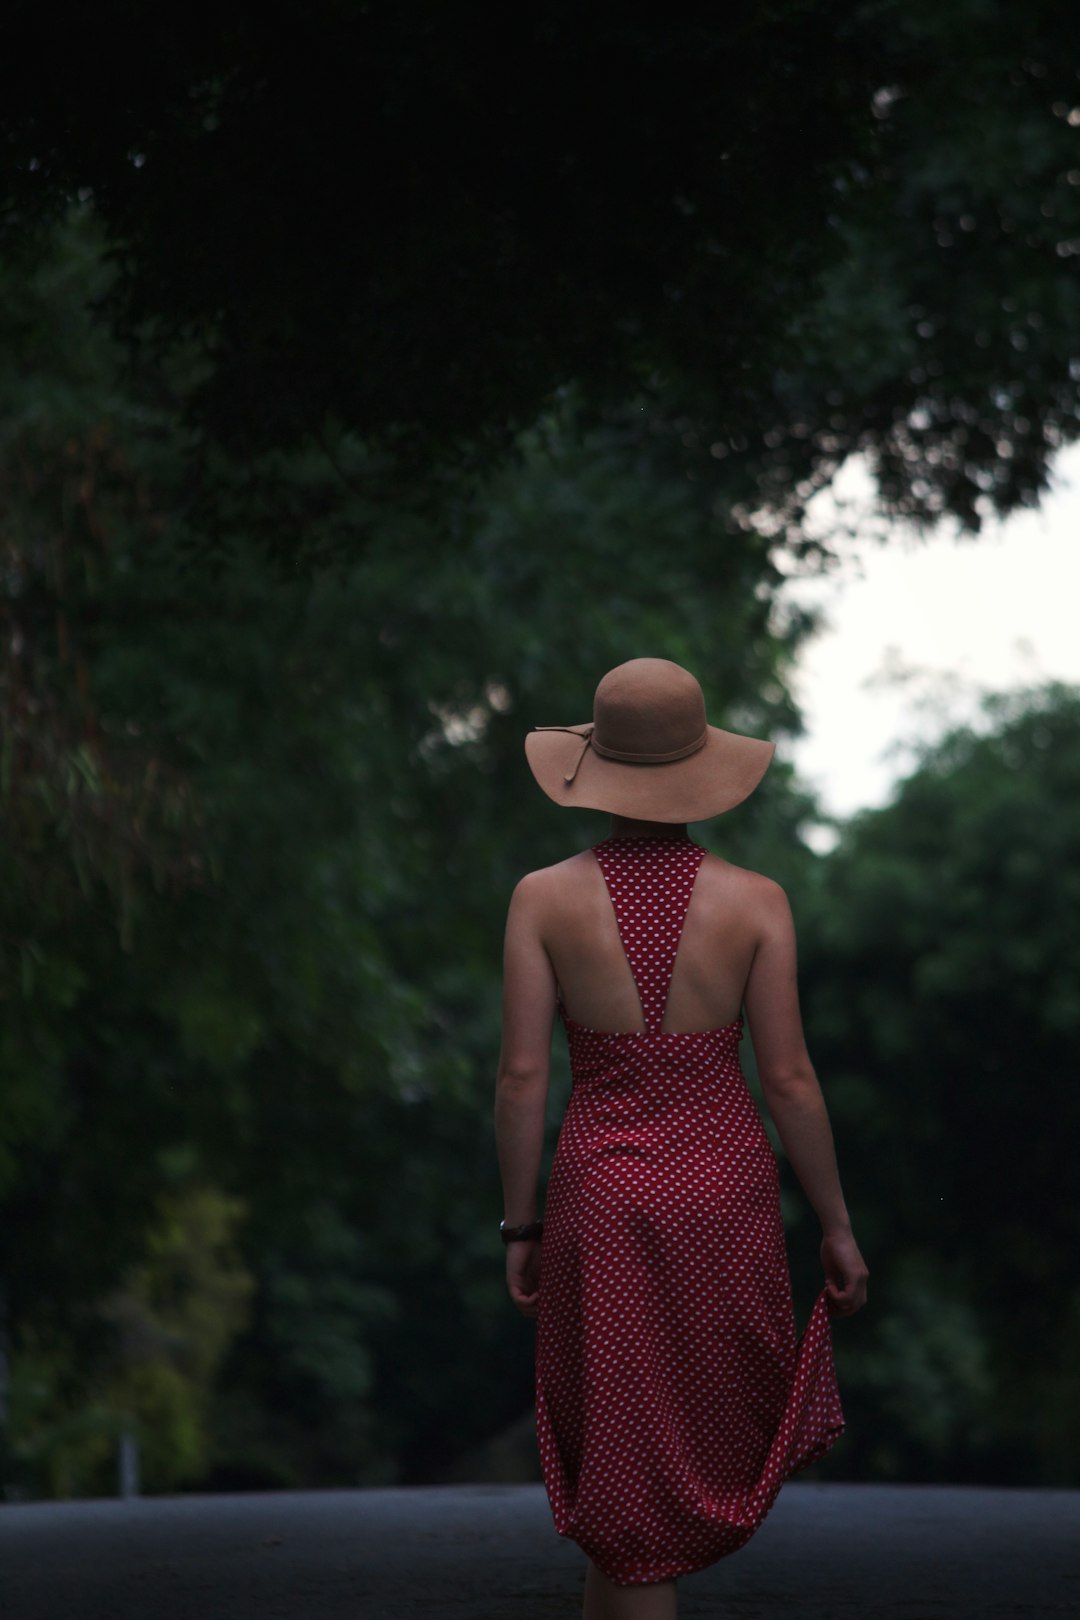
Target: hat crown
648, 706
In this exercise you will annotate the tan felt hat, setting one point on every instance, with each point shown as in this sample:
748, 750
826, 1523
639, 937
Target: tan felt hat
648, 751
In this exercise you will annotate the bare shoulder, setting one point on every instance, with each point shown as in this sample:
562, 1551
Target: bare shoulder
742, 878
751, 892
548, 884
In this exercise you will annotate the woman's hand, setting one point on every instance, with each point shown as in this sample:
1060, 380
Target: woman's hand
845, 1273
523, 1274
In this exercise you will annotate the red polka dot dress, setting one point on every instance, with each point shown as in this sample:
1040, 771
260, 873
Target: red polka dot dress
673, 1398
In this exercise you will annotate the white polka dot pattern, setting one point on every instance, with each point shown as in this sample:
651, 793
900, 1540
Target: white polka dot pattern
673, 1399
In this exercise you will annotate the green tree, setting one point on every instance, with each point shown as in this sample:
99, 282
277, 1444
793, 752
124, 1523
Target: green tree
322, 480
942, 987
260, 827
785, 230
174, 1316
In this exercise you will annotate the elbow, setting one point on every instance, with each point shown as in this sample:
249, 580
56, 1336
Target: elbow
795, 1082
521, 1082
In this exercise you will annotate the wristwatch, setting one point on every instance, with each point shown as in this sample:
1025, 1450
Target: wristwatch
519, 1234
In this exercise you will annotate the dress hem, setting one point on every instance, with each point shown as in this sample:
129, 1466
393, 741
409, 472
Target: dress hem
677, 1569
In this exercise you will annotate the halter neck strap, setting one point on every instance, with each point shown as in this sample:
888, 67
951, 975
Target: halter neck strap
650, 882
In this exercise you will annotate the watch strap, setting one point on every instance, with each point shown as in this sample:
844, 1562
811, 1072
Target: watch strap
530, 1231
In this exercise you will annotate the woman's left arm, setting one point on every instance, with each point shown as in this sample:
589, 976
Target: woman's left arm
521, 1086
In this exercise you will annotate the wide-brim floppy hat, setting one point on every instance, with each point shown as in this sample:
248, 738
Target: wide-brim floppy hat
648, 752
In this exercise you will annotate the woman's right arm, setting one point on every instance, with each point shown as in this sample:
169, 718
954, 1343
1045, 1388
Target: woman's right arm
794, 1097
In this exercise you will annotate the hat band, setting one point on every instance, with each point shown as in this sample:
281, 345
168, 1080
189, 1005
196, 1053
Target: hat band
629, 758
622, 755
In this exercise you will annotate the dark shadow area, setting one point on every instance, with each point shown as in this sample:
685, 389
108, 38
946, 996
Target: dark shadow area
874, 1552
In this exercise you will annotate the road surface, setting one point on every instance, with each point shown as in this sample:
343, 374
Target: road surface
488, 1552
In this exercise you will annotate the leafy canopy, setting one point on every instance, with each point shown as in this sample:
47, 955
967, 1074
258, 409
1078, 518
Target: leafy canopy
790, 229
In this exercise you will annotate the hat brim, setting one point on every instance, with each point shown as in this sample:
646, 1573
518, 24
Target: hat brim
721, 774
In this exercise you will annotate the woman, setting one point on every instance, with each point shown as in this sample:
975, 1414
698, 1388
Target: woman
673, 1399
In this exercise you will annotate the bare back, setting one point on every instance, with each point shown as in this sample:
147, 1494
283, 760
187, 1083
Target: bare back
720, 936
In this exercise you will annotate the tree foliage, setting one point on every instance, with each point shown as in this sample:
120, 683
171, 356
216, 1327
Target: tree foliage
323, 477
787, 230
942, 982
259, 830
422, 218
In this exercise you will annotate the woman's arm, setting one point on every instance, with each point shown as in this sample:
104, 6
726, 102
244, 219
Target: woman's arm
794, 1097
521, 1085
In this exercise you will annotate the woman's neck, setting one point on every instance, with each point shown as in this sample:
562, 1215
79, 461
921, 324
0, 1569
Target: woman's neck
628, 827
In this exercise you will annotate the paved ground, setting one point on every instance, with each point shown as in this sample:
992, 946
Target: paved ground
476, 1552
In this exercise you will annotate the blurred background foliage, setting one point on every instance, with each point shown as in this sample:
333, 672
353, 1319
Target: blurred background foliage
369, 390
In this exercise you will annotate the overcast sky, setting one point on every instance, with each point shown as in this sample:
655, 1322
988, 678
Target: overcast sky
917, 628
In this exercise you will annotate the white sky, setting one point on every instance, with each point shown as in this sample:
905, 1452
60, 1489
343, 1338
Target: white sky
917, 628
